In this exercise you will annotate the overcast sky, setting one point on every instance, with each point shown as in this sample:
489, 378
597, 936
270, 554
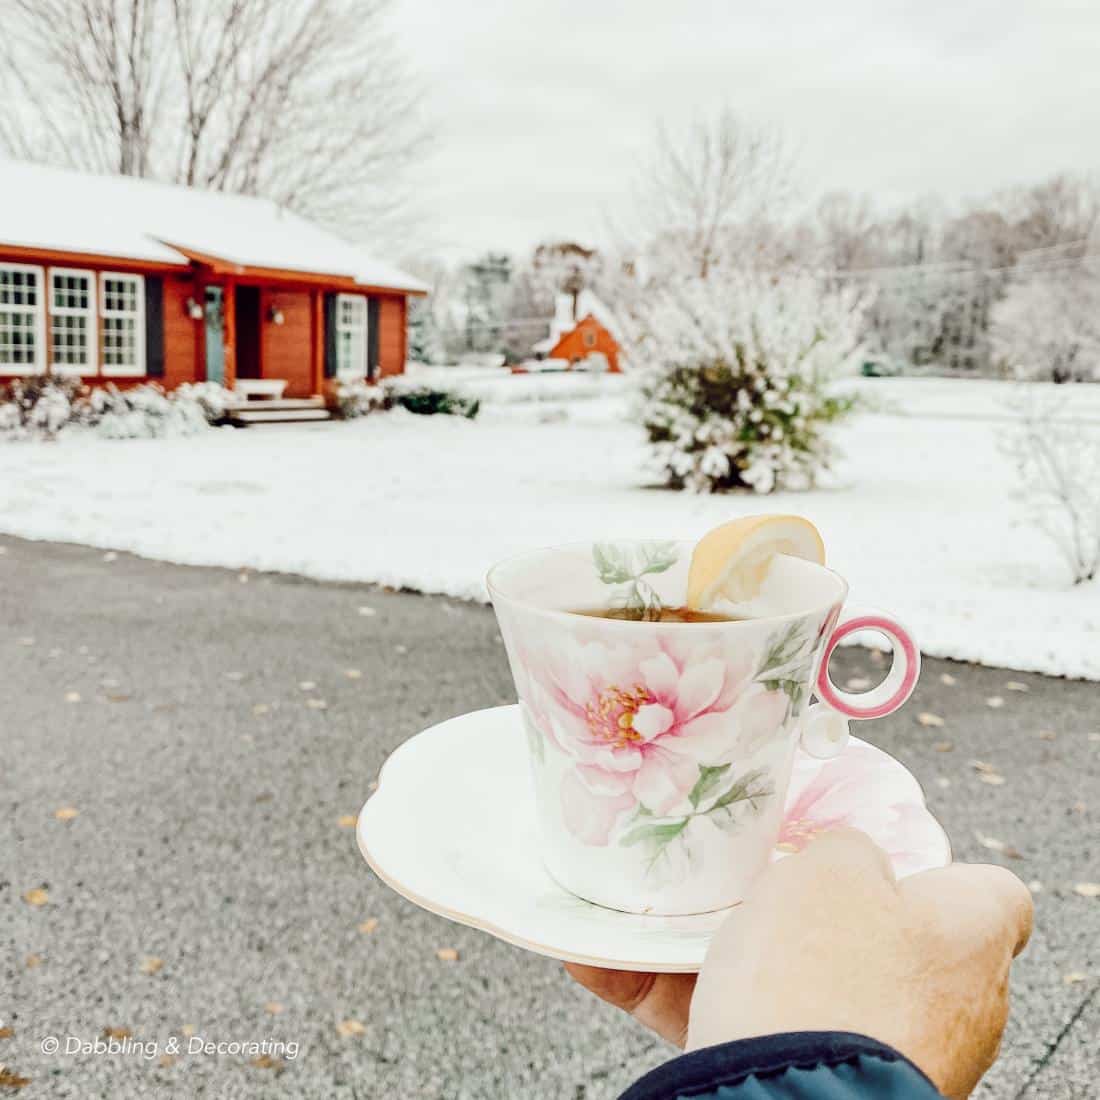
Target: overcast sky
542, 107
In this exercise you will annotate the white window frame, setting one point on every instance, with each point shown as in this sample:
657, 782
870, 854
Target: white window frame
359, 301
38, 366
91, 366
139, 368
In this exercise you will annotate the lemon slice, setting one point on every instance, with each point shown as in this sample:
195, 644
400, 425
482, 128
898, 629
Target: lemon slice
732, 561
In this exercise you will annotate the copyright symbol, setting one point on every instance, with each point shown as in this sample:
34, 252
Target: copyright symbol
50, 1044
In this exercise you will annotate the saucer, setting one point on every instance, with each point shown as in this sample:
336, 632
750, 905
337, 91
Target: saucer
452, 828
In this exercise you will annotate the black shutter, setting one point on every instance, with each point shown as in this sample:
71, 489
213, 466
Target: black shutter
154, 326
372, 337
330, 335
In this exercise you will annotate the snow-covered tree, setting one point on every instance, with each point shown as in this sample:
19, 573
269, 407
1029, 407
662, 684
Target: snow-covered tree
1048, 326
309, 103
735, 373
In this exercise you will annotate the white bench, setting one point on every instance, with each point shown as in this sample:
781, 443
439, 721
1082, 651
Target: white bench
263, 388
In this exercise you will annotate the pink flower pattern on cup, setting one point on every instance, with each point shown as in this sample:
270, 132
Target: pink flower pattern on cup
827, 796
640, 719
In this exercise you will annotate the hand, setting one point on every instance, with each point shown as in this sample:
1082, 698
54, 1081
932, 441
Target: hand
660, 1001
829, 941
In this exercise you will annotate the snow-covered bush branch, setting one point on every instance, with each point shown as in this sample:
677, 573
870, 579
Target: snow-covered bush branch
1057, 462
735, 373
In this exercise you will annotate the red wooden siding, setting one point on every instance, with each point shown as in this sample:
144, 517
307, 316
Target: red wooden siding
286, 350
391, 334
180, 343
586, 337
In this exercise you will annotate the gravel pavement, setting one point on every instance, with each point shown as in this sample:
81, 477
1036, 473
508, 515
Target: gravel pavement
211, 733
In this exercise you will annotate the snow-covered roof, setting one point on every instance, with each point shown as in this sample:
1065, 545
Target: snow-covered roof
137, 219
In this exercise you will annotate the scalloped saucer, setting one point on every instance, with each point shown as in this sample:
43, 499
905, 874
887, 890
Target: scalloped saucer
452, 828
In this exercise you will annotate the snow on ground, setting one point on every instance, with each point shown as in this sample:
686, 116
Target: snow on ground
918, 518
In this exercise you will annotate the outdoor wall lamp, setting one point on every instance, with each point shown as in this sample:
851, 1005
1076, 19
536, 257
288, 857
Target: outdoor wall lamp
194, 310
275, 315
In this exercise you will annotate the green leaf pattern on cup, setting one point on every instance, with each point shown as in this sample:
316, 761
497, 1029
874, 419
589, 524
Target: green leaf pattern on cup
626, 567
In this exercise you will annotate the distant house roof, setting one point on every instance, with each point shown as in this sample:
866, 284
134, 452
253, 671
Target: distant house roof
59, 210
566, 318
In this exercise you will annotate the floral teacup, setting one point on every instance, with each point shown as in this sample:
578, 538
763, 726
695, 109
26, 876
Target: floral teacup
662, 751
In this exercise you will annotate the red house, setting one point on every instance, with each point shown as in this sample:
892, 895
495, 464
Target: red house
123, 280
582, 328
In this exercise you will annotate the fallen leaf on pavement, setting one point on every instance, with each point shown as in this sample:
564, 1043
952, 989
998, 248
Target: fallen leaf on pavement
367, 611
110, 556
36, 897
26, 641
347, 821
992, 778
1074, 977
353, 673
858, 683
1087, 889
995, 701
260, 708
447, 954
926, 718
72, 697
31, 961
151, 964
119, 698
943, 782
401, 650
66, 813
995, 845
234, 676
9, 1079
167, 1061
307, 685
188, 1030
944, 746
350, 1027
117, 1033
368, 926
982, 766
1035, 886
6, 1032
948, 679
267, 1061
1015, 685
1047, 735
273, 1008
316, 704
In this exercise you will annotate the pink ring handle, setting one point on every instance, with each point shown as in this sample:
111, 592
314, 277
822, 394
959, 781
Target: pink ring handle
899, 682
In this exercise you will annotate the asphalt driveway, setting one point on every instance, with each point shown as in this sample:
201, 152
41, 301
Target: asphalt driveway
182, 752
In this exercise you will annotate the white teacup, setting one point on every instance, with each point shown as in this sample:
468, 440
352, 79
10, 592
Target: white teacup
662, 751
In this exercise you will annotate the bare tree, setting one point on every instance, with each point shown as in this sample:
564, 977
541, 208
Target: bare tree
307, 102
713, 189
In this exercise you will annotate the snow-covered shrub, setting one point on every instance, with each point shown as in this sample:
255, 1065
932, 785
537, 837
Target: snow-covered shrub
214, 400
358, 398
148, 412
38, 407
428, 401
1058, 490
734, 376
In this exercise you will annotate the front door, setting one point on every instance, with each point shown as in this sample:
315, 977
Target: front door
215, 329
247, 317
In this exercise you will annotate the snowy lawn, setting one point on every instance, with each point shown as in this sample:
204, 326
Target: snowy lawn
919, 517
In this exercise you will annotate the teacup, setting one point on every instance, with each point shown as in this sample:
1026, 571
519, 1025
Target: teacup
662, 751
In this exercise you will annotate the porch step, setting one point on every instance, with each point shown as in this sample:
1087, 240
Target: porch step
265, 415
281, 403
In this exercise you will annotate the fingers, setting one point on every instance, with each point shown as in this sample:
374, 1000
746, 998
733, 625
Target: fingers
984, 900
844, 848
624, 989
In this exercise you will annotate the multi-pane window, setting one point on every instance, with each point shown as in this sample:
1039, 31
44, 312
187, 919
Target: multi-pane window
122, 306
72, 321
351, 336
21, 349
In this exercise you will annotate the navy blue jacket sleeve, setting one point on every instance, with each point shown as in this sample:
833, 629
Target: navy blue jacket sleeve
800, 1065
